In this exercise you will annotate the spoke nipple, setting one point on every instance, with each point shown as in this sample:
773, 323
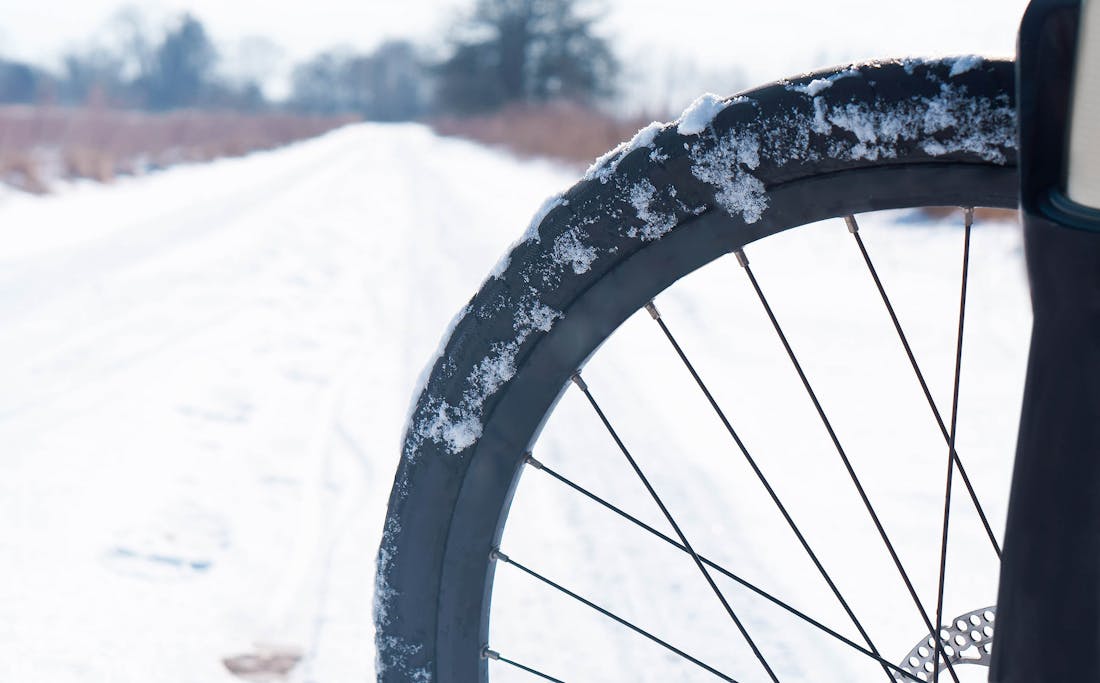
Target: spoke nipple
853, 227
530, 460
652, 311
486, 653
495, 554
741, 258
578, 381
968, 216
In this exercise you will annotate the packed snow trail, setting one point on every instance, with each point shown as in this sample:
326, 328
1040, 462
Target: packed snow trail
205, 377
206, 374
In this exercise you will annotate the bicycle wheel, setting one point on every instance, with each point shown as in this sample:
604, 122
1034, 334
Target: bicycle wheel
870, 137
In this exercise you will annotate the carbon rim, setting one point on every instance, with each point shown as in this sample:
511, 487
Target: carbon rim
498, 459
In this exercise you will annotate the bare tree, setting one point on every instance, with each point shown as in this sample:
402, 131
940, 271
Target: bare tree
389, 84
526, 50
182, 67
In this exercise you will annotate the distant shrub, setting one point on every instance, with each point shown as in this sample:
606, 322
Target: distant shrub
40, 144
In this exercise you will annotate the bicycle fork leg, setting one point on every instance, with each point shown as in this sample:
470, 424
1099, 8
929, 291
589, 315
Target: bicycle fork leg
1048, 612
1048, 608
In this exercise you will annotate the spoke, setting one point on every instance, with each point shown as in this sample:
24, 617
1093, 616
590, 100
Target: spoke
652, 309
672, 522
969, 221
744, 262
542, 467
501, 557
497, 657
853, 227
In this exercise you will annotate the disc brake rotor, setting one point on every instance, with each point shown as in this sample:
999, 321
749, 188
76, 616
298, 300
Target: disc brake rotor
967, 639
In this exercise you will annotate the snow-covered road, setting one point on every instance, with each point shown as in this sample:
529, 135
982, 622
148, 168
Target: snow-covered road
206, 373
205, 377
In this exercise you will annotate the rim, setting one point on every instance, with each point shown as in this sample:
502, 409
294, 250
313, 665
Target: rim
481, 509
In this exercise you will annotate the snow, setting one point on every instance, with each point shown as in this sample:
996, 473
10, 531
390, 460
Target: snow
726, 166
700, 113
604, 167
459, 426
815, 86
532, 232
819, 85
569, 250
878, 133
656, 222
206, 378
966, 63
426, 371
498, 270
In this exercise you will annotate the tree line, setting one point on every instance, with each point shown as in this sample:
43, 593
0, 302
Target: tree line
501, 52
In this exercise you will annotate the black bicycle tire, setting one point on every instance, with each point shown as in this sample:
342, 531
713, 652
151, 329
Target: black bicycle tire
872, 136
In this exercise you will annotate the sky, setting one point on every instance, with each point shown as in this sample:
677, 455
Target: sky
716, 44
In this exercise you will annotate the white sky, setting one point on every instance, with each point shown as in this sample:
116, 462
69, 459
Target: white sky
661, 41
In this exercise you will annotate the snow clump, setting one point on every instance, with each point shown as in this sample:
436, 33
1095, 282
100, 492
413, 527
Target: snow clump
724, 167
568, 250
457, 427
603, 168
657, 222
983, 127
532, 232
965, 63
818, 85
700, 113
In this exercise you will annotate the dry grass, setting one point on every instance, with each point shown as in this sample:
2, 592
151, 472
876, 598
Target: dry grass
40, 144
561, 131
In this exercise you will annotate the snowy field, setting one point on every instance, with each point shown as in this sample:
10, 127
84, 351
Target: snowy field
206, 373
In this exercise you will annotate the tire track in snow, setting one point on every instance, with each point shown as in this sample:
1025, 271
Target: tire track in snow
298, 293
